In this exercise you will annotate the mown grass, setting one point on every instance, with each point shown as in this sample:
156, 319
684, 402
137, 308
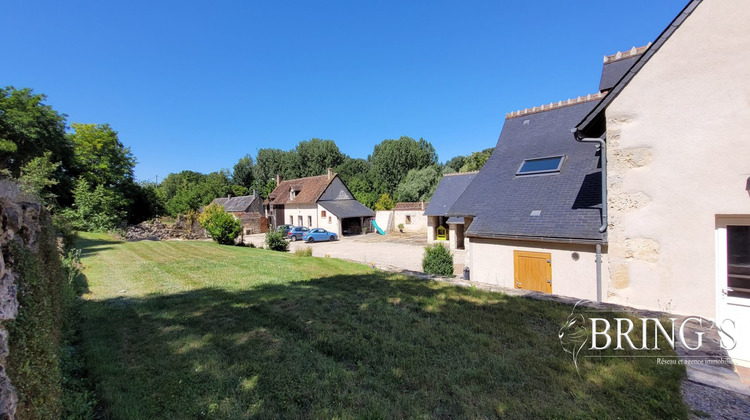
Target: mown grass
197, 330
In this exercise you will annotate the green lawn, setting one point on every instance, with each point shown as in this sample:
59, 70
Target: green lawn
179, 330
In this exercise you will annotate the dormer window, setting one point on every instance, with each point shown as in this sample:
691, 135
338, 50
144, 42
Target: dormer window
292, 194
541, 165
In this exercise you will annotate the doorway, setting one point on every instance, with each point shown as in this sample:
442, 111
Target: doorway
733, 283
533, 271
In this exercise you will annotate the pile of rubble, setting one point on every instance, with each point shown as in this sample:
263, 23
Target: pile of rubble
157, 230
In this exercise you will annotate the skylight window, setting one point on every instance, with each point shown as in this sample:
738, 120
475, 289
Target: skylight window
541, 165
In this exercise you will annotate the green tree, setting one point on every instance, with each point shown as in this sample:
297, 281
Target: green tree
100, 156
454, 164
476, 160
418, 185
28, 129
222, 226
96, 208
352, 168
37, 177
188, 190
242, 173
316, 156
393, 159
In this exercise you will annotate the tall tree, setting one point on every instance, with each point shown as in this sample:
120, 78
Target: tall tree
242, 173
100, 156
316, 156
188, 190
28, 129
393, 159
418, 185
476, 160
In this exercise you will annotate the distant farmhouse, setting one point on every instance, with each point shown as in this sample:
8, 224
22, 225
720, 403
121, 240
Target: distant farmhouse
664, 146
248, 209
317, 202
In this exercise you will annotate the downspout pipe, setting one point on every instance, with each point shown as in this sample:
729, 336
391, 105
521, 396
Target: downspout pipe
603, 153
603, 228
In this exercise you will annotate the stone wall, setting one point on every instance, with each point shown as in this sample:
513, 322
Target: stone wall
20, 224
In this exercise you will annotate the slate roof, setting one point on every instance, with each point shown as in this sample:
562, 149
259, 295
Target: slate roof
593, 124
451, 187
568, 202
308, 190
612, 71
346, 208
235, 204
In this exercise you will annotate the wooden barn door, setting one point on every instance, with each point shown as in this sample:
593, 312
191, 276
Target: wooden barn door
533, 271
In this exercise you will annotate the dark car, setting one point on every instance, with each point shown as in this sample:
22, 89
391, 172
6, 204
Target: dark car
296, 232
284, 229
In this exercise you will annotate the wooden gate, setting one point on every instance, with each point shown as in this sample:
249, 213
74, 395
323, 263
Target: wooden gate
533, 271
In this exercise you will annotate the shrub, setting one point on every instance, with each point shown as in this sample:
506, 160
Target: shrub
384, 203
401, 227
222, 226
304, 252
437, 260
275, 241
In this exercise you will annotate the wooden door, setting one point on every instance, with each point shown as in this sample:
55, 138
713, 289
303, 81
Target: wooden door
533, 271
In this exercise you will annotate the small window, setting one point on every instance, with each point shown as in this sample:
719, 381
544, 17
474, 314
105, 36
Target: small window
329, 219
540, 166
299, 219
323, 214
309, 221
291, 220
408, 219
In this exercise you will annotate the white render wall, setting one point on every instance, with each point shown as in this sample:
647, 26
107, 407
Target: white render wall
679, 157
491, 261
418, 220
335, 223
303, 210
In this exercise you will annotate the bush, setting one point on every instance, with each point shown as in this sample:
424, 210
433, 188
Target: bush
222, 226
437, 260
304, 252
275, 241
384, 203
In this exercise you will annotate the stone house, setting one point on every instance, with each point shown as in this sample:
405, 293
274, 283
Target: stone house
662, 146
317, 202
248, 209
440, 226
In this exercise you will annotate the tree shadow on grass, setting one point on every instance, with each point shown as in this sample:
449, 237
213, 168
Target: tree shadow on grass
366, 346
89, 246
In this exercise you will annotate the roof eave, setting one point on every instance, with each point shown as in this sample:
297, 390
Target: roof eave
546, 239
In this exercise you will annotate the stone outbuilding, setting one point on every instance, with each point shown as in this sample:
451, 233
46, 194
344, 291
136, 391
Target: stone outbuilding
248, 209
411, 215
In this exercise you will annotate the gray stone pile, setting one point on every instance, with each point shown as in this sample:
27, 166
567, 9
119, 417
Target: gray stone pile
156, 230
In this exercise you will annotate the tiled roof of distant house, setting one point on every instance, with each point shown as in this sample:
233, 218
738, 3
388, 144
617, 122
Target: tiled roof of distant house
451, 187
420, 205
235, 204
561, 206
307, 190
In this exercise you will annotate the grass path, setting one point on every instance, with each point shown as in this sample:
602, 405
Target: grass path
197, 330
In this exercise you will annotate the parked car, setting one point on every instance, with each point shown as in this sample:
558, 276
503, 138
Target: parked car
296, 232
319, 234
284, 229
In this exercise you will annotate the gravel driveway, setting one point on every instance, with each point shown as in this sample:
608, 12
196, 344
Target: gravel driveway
391, 252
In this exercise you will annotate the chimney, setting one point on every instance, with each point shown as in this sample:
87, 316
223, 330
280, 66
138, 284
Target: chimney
422, 204
229, 196
330, 173
255, 193
278, 179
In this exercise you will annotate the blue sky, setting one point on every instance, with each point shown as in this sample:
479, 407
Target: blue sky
197, 85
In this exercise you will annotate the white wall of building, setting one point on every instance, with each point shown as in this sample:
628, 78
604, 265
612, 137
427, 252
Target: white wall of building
491, 261
329, 222
679, 158
418, 221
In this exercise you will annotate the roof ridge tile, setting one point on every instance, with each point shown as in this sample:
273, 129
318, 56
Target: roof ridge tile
556, 105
